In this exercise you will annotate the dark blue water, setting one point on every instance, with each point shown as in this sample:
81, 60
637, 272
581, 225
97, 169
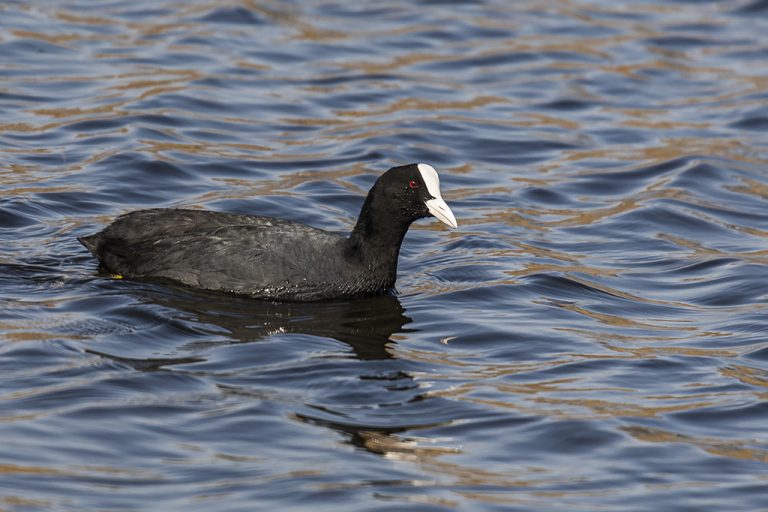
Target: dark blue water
594, 336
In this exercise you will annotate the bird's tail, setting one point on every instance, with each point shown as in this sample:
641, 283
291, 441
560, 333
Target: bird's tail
91, 242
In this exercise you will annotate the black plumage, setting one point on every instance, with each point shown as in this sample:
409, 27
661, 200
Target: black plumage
273, 258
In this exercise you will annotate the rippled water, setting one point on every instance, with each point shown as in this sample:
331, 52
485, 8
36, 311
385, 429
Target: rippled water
594, 336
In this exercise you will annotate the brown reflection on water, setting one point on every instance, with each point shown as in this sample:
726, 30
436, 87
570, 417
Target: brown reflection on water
718, 447
465, 480
218, 149
416, 104
751, 187
699, 251
746, 374
548, 398
670, 149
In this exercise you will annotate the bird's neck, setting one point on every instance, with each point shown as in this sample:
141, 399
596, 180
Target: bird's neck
378, 234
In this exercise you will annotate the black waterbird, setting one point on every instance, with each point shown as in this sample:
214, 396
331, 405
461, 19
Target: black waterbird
270, 258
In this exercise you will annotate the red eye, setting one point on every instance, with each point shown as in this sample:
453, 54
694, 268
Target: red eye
413, 184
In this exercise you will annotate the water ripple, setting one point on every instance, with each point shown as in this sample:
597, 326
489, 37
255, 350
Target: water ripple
593, 332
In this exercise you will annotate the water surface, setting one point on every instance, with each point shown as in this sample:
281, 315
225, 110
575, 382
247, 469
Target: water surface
592, 337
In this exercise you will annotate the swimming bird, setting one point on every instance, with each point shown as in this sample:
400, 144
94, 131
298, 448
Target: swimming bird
272, 258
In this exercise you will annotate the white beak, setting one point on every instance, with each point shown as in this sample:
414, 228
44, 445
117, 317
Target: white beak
439, 209
436, 205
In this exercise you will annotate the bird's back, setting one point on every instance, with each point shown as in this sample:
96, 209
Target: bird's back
258, 256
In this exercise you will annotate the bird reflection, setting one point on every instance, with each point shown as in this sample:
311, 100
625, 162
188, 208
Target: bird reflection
393, 441
367, 325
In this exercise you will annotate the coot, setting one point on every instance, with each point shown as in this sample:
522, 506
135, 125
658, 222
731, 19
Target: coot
271, 258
